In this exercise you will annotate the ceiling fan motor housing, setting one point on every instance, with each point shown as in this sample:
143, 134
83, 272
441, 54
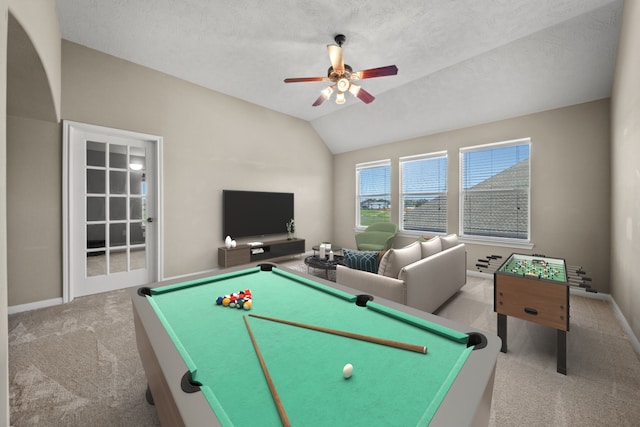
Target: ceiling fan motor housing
335, 76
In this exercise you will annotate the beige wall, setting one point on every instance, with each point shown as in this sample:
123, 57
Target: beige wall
625, 161
211, 142
39, 20
34, 211
570, 181
4, 333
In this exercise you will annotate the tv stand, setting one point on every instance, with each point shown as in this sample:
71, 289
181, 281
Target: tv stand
245, 254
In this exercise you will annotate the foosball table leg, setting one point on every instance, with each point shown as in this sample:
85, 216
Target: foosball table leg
562, 352
502, 331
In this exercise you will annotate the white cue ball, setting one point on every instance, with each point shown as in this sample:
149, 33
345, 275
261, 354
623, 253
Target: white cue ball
347, 371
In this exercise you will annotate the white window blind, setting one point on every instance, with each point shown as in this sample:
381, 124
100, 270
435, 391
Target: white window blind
423, 180
495, 190
373, 198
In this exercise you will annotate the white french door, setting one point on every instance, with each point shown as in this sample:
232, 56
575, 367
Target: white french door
111, 191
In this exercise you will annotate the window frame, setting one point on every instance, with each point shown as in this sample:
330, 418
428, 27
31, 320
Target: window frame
402, 194
514, 242
365, 166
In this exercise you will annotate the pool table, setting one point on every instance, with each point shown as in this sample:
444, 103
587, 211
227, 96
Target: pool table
202, 367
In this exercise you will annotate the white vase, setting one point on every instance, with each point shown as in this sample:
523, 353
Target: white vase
227, 242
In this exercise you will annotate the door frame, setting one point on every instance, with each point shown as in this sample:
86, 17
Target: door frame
68, 127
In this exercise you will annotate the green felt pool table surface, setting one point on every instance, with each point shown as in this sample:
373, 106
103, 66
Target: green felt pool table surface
389, 386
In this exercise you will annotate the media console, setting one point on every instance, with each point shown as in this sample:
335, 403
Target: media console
244, 254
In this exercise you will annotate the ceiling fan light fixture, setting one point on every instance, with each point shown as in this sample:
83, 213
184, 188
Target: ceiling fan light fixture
340, 99
343, 85
327, 92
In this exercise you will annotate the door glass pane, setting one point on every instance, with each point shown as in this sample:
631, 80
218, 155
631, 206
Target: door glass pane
96, 153
95, 236
118, 156
96, 264
95, 209
138, 258
137, 233
136, 182
137, 160
135, 208
117, 182
117, 234
117, 208
117, 260
95, 181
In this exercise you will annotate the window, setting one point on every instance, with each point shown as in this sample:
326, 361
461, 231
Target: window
494, 194
423, 183
373, 198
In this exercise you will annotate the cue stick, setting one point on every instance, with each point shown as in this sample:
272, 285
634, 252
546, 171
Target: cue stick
272, 387
401, 345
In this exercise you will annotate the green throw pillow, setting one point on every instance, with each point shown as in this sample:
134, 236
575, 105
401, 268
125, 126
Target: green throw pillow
361, 260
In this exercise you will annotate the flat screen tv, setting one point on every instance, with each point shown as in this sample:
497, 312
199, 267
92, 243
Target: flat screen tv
255, 213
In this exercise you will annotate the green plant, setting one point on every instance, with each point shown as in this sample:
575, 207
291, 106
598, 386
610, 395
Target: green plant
291, 226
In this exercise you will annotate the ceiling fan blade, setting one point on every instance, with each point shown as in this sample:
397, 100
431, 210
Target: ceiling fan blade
324, 95
319, 101
389, 70
361, 94
305, 79
335, 55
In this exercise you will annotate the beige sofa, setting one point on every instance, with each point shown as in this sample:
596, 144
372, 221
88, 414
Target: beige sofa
422, 275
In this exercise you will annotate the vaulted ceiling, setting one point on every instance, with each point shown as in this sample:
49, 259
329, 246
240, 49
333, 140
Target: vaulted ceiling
461, 63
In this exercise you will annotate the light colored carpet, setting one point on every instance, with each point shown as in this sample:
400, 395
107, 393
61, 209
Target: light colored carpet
77, 365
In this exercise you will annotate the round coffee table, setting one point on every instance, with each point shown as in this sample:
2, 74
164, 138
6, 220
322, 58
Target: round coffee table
314, 261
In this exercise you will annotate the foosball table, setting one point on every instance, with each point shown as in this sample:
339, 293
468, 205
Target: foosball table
534, 288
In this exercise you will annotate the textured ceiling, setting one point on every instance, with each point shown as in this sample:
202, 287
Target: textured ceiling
461, 63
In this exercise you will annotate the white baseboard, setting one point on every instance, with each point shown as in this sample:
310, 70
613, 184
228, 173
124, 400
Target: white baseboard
480, 274
34, 305
635, 343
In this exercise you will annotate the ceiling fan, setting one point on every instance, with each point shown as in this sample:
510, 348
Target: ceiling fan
342, 76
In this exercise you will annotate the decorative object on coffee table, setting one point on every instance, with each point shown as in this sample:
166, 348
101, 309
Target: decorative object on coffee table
336, 249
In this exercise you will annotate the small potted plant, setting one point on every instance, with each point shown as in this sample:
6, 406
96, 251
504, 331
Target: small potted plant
291, 229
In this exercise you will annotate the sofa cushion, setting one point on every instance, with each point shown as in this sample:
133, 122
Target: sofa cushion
361, 260
449, 241
431, 247
393, 261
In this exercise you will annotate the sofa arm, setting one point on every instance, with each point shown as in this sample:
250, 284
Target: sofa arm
433, 280
372, 283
